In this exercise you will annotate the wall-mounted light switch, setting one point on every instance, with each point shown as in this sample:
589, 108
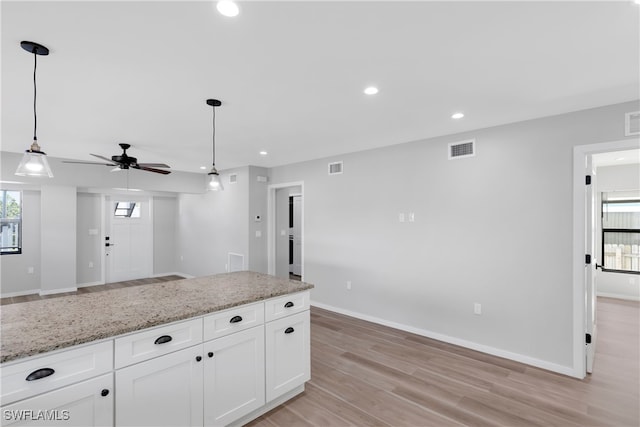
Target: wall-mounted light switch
30, 270
412, 217
477, 308
258, 233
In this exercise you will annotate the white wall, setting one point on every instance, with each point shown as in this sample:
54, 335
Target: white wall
212, 224
165, 224
15, 278
89, 243
610, 284
257, 206
494, 229
57, 238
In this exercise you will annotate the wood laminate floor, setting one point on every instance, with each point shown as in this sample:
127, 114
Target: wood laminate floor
89, 289
363, 374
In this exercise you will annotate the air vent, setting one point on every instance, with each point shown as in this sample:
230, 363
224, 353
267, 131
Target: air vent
233, 178
632, 123
335, 168
461, 149
235, 262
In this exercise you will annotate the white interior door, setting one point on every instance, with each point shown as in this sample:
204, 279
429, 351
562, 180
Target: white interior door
590, 268
295, 234
129, 248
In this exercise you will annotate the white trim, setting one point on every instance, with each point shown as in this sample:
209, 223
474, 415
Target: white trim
618, 296
185, 275
580, 154
549, 366
20, 293
58, 291
271, 225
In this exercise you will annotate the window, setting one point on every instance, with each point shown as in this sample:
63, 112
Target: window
10, 222
621, 235
127, 210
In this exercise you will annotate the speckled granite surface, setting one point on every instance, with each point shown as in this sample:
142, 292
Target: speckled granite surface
36, 327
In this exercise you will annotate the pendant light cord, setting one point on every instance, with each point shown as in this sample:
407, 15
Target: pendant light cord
214, 137
35, 115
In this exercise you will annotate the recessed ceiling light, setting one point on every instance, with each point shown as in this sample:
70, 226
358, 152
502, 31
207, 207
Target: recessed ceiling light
621, 158
263, 153
371, 90
636, 2
457, 116
228, 8
203, 167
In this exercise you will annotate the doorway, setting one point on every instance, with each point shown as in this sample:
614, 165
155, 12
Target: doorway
584, 252
285, 235
128, 241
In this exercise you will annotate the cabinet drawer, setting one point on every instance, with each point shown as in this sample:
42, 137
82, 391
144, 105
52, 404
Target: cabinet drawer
284, 306
233, 320
56, 370
155, 342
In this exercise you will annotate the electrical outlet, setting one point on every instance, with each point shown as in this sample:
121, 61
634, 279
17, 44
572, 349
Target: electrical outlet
348, 285
477, 308
258, 233
90, 264
30, 270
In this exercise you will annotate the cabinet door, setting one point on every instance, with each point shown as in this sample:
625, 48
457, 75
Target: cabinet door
89, 403
233, 376
288, 356
165, 391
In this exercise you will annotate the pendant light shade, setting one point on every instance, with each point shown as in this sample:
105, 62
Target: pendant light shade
215, 183
34, 161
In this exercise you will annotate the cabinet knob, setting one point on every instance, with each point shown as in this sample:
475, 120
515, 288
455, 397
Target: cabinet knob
289, 330
198, 358
104, 392
235, 319
163, 339
210, 354
288, 305
40, 373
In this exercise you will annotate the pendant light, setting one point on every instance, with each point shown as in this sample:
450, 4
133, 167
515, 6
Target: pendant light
34, 161
215, 183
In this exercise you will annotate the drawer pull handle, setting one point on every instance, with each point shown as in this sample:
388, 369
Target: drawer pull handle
40, 373
288, 305
104, 392
163, 339
235, 319
289, 330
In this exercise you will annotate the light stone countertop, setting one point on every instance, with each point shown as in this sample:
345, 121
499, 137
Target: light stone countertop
36, 327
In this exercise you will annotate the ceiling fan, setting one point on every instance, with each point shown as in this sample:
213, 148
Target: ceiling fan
124, 161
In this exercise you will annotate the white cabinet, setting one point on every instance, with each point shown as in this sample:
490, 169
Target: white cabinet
234, 376
288, 359
165, 391
88, 403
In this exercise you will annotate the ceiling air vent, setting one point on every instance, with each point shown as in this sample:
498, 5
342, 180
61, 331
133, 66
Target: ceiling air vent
233, 178
632, 123
335, 168
461, 149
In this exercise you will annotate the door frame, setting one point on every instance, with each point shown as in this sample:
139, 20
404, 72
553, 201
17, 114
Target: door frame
580, 155
271, 225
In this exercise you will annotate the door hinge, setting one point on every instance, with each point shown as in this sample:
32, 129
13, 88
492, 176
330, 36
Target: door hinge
587, 180
588, 338
587, 259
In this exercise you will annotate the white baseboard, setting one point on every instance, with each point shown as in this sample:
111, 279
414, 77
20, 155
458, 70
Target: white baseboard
86, 285
19, 293
58, 291
172, 273
618, 296
549, 366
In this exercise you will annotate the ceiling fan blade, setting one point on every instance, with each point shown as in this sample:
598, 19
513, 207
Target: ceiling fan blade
88, 163
153, 165
144, 168
101, 157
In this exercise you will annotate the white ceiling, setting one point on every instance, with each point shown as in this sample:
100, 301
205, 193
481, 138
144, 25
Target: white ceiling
291, 74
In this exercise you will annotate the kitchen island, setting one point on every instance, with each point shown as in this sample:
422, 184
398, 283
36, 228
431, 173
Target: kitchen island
213, 350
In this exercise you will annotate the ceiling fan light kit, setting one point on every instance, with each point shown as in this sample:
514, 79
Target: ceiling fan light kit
215, 183
34, 161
